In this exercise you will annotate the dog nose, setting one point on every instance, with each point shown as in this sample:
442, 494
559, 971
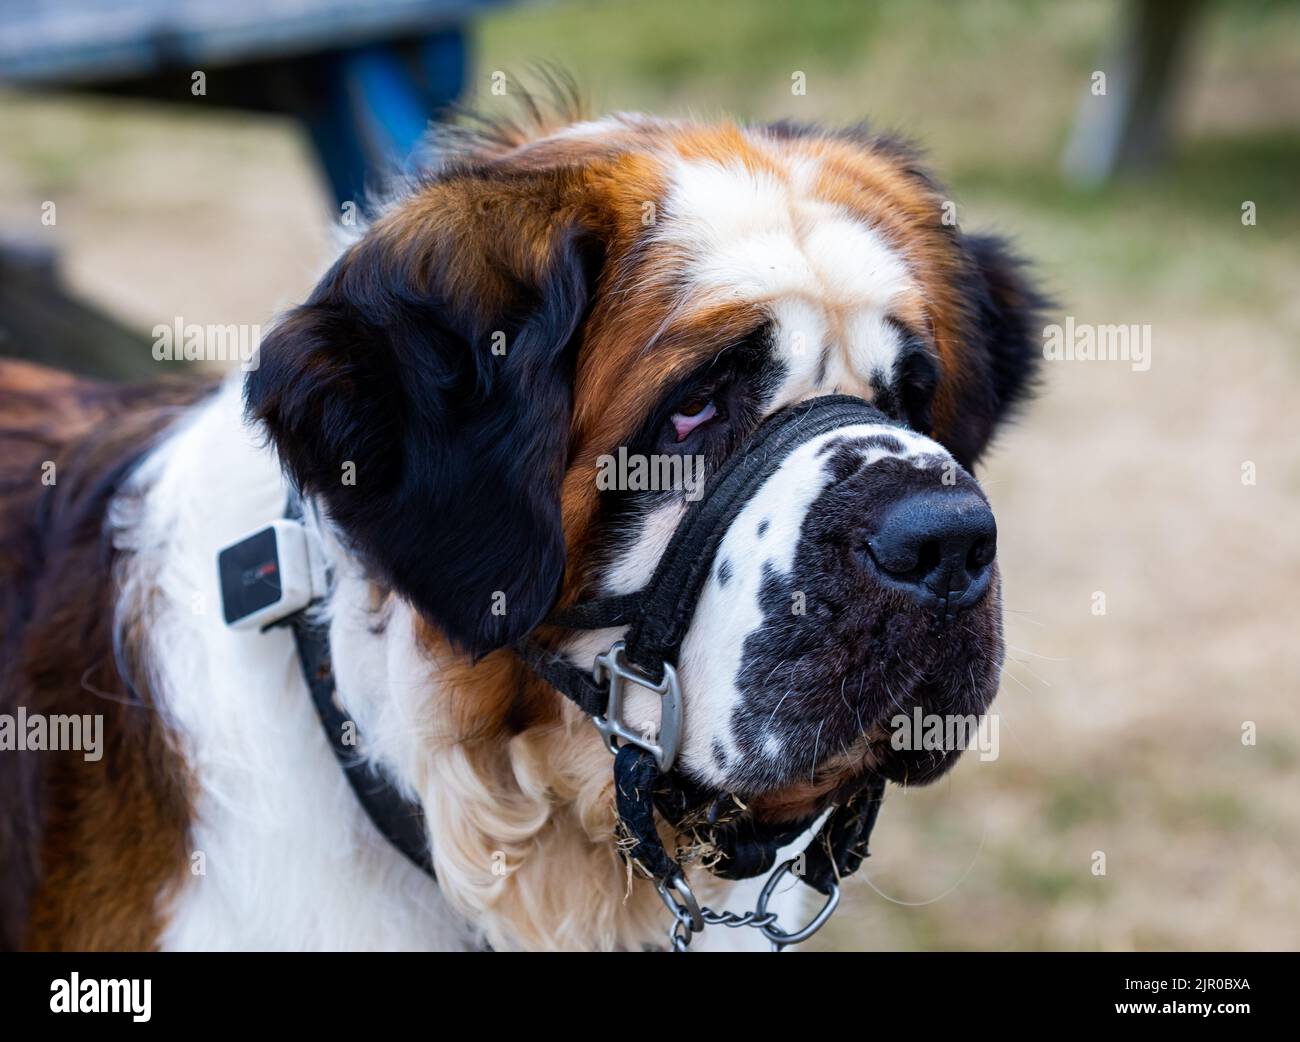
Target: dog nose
938, 546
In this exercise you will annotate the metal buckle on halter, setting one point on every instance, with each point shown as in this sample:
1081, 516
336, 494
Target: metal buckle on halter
612, 666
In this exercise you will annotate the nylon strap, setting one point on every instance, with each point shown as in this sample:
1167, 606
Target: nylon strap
577, 684
669, 599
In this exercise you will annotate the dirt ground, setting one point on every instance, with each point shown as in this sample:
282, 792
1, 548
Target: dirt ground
1122, 733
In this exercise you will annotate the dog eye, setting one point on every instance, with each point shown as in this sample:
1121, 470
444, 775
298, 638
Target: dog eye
692, 415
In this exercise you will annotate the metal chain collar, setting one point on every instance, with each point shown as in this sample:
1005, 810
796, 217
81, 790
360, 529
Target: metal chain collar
690, 917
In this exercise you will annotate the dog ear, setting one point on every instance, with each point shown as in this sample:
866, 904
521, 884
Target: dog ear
424, 391
1003, 344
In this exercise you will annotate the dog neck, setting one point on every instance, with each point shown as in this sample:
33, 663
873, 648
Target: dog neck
515, 784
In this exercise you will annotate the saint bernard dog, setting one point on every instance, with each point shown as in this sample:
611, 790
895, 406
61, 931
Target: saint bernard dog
548, 295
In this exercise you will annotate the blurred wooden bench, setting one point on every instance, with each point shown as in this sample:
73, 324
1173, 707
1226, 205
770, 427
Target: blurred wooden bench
364, 77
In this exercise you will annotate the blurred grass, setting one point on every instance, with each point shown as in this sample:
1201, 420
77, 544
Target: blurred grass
990, 89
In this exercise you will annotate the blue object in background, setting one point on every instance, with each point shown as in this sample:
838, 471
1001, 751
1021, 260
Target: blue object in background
378, 104
363, 78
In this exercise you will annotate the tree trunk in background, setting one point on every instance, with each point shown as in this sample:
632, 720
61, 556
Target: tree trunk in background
1128, 127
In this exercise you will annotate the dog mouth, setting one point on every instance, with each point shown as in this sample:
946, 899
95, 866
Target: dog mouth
883, 739
842, 775
829, 783
824, 708
804, 799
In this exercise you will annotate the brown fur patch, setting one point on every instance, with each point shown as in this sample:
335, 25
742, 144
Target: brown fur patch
87, 849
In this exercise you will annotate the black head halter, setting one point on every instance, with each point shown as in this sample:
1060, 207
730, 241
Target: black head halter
657, 618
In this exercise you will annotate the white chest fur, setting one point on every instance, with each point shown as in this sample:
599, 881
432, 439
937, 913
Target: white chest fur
282, 854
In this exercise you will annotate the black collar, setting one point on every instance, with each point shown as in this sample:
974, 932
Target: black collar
401, 821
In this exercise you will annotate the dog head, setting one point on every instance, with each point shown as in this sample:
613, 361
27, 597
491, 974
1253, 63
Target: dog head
551, 309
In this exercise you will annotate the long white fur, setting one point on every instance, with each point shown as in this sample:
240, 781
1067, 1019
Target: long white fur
283, 857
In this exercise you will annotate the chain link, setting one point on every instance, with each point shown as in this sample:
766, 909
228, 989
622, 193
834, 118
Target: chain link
681, 933
690, 918
737, 919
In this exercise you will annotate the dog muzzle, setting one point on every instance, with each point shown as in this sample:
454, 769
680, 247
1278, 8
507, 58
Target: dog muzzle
647, 782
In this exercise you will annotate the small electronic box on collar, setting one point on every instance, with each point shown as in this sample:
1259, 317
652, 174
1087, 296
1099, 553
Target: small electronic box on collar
270, 574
